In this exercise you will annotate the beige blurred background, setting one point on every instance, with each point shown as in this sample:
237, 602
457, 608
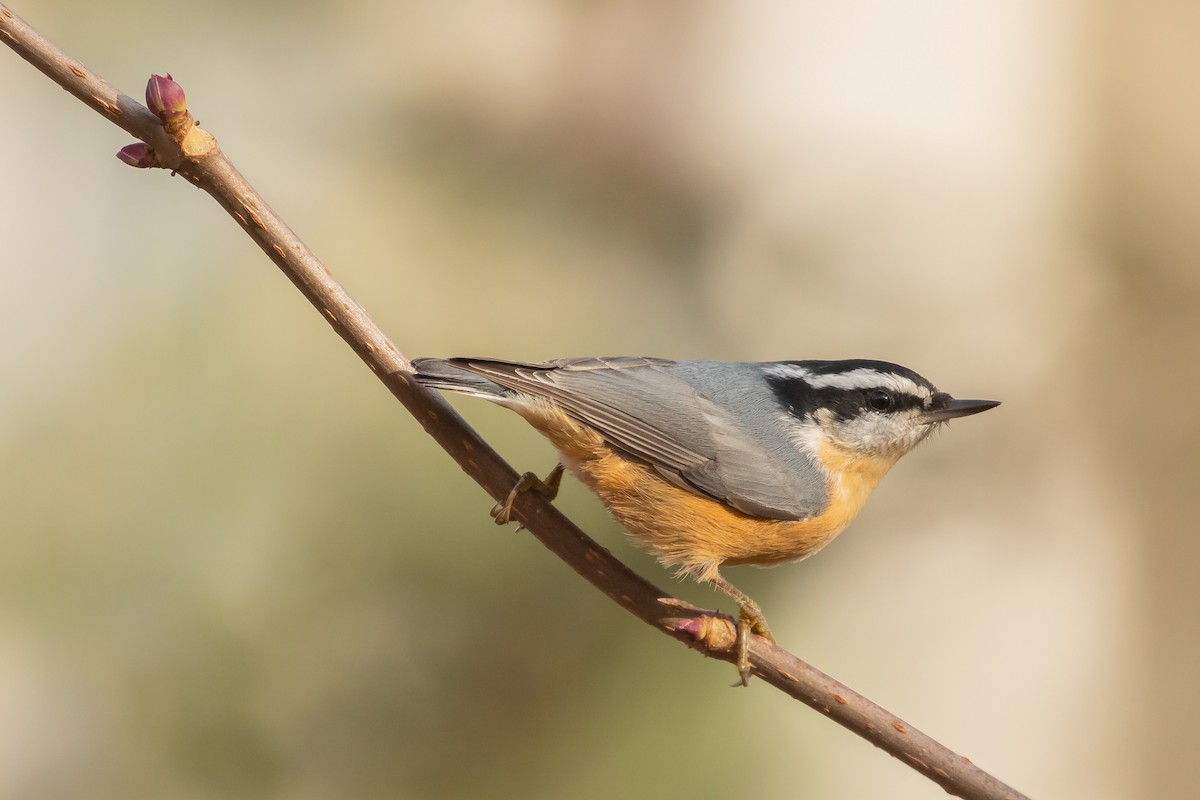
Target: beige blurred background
231, 566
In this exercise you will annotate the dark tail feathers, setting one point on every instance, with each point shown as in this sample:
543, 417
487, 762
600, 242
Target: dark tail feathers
439, 373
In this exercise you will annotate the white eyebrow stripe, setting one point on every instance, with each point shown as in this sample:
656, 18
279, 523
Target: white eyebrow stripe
788, 371
862, 378
867, 379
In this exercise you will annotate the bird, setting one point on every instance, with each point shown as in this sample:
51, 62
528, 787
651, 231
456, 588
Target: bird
710, 464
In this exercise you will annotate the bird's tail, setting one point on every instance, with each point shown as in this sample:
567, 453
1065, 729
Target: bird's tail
441, 373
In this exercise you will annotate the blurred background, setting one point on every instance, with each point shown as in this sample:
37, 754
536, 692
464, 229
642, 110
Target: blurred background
232, 566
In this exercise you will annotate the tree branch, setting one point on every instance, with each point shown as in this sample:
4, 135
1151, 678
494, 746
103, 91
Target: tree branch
713, 635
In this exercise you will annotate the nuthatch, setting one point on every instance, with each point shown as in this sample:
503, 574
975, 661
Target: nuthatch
713, 463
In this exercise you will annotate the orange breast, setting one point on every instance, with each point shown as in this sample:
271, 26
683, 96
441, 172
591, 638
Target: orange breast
698, 534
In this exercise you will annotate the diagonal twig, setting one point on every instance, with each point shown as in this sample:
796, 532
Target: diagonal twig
712, 635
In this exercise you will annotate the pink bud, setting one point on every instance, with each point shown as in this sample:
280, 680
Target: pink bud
165, 97
693, 627
138, 155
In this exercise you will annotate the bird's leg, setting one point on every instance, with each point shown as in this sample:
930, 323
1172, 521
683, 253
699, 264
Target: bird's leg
750, 618
548, 488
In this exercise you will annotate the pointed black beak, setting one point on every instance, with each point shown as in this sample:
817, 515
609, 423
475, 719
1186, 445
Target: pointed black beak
943, 407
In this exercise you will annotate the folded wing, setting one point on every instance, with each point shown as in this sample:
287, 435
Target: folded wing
648, 412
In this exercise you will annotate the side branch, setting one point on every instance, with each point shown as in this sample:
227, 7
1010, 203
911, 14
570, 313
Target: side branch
712, 635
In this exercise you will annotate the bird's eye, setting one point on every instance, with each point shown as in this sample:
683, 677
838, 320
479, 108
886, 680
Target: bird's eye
880, 400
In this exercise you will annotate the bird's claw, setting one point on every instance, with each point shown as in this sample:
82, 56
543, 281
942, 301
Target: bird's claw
548, 488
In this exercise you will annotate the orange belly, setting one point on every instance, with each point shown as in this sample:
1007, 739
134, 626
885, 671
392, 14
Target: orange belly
695, 533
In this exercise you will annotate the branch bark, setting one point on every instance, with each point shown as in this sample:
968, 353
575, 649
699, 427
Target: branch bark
713, 635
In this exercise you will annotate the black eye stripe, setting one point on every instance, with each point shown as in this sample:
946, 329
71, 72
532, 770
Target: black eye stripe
802, 400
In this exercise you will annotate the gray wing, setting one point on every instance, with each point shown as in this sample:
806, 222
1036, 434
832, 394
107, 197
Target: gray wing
652, 410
